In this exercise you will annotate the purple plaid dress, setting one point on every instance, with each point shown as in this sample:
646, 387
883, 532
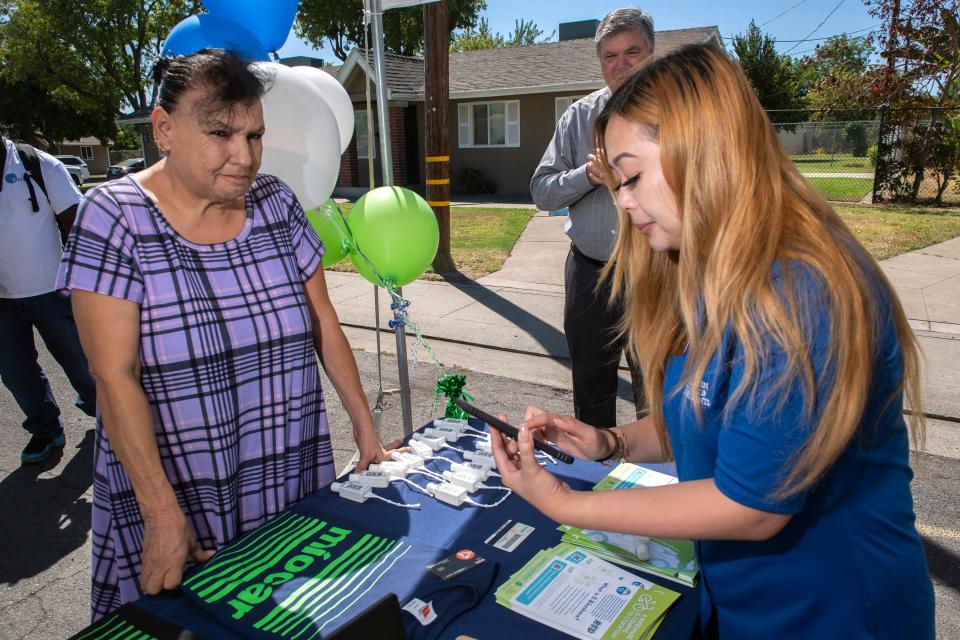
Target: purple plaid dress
228, 367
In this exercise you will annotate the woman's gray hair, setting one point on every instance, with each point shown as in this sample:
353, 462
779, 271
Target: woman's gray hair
626, 19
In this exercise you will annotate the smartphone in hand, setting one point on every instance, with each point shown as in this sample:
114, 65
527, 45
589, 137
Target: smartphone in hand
511, 431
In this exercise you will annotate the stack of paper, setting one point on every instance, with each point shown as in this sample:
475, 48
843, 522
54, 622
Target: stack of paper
574, 591
671, 559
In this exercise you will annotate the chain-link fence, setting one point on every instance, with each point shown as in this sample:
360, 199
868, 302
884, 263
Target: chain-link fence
835, 151
918, 158
876, 155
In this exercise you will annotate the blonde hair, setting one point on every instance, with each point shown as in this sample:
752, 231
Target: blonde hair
745, 208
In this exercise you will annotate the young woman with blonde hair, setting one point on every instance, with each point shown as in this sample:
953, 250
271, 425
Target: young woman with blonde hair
776, 358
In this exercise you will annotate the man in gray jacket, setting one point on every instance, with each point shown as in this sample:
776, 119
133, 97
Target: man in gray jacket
569, 176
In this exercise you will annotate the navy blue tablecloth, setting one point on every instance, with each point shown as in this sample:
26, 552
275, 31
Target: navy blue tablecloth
454, 528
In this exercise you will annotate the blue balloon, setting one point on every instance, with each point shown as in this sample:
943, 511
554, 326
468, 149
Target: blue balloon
211, 32
269, 20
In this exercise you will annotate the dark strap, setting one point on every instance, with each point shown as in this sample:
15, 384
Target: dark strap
33, 172
3, 161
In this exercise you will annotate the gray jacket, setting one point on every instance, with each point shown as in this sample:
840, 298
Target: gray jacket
561, 180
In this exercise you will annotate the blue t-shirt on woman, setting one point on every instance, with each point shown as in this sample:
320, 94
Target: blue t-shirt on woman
849, 564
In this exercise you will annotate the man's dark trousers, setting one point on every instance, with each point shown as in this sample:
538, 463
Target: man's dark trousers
590, 325
50, 313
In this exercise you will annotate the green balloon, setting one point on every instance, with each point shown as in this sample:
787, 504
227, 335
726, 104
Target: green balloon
397, 232
329, 225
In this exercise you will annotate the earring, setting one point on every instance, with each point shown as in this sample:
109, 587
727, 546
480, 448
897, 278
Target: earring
162, 149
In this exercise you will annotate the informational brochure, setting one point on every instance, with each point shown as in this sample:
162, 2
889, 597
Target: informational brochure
578, 593
620, 544
671, 559
627, 475
664, 557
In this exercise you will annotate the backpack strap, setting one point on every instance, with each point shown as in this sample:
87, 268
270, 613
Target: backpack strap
3, 161
33, 173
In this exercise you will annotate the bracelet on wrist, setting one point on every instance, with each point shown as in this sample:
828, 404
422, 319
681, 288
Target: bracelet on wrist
619, 451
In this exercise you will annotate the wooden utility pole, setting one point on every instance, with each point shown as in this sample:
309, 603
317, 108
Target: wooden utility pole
891, 45
436, 26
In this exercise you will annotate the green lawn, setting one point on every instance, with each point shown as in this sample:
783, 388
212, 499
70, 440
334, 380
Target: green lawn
480, 239
483, 238
887, 231
843, 189
837, 163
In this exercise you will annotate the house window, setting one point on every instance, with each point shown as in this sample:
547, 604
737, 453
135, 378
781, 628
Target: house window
489, 124
562, 104
86, 153
363, 145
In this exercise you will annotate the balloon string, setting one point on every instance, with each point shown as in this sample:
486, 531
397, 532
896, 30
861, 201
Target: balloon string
386, 284
399, 306
402, 318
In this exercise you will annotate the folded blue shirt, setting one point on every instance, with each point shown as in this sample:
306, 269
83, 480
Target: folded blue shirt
303, 575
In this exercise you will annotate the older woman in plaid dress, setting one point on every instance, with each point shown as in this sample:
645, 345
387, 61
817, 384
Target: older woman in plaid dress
200, 298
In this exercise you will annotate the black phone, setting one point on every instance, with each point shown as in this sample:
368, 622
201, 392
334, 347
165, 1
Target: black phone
511, 431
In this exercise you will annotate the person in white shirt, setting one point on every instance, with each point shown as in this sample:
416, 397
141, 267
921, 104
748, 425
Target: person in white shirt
31, 245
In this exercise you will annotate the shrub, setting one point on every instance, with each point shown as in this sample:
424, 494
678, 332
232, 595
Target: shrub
855, 133
472, 182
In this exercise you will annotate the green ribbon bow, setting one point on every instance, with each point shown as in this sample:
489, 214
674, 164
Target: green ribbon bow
452, 387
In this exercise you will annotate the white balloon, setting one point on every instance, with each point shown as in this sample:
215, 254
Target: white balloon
337, 99
301, 145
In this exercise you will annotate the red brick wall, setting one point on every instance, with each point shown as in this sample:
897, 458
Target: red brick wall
398, 145
349, 162
349, 166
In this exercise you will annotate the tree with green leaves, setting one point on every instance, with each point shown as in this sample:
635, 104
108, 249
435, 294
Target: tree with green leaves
775, 78
524, 33
841, 76
340, 23
92, 58
30, 112
126, 139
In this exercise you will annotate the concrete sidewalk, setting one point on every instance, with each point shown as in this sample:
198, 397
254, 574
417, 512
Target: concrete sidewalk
510, 323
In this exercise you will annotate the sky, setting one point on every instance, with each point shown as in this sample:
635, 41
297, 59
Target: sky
784, 20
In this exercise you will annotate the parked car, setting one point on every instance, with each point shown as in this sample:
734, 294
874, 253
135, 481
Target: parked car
123, 168
76, 167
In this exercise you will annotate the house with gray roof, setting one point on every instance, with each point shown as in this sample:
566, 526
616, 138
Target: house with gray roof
504, 106
91, 150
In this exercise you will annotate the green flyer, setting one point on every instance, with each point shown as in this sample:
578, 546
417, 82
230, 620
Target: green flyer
574, 591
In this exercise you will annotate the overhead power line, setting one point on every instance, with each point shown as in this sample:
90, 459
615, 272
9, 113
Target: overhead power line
822, 22
845, 33
780, 15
